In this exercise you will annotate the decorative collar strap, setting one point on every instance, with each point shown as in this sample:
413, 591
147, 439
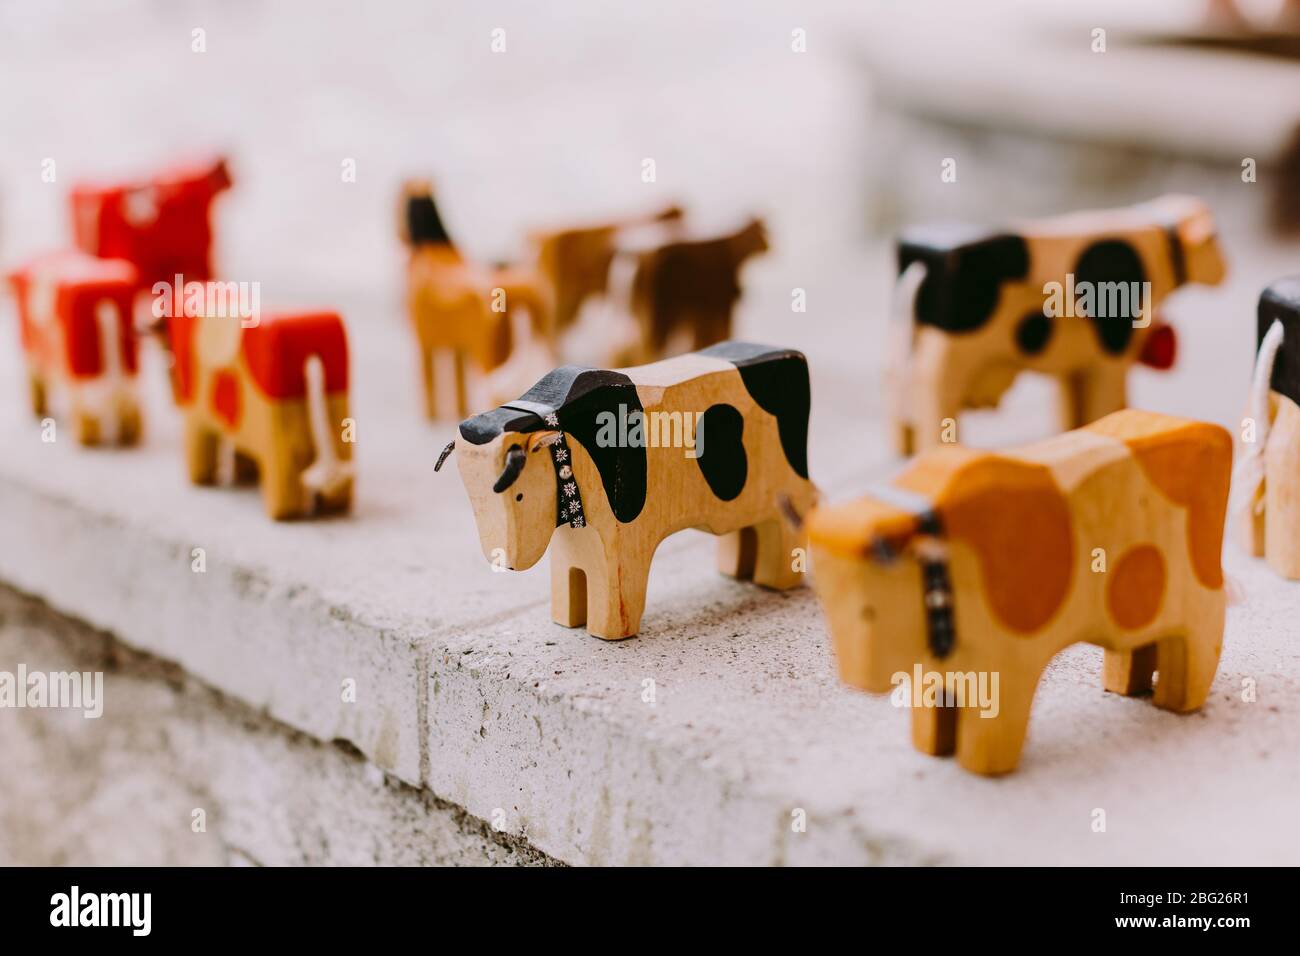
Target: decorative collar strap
568, 499
936, 581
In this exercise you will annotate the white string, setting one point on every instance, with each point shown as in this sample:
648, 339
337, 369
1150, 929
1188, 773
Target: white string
1248, 481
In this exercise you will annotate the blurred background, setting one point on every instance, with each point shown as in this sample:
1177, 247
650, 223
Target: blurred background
830, 120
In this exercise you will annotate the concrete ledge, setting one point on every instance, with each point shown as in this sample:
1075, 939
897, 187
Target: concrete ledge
465, 688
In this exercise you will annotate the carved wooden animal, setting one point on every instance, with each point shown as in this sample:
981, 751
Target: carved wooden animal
575, 262
979, 563
277, 392
474, 314
977, 307
161, 224
1269, 480
78, 341
685, 290
565, 467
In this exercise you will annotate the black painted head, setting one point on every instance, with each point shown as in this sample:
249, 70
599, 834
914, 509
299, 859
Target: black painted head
1280, 302
423, 225
965, 268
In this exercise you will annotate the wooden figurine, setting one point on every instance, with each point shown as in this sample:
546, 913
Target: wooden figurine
160, 224
276, 391
1268, 484
972, 569
1074, 297
473, 314
575, 262
78, 341
603, 465
680, 290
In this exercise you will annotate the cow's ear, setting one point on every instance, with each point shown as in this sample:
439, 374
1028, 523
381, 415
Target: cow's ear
540, 440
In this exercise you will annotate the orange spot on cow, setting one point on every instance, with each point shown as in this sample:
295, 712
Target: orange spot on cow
1191, 465
1135, 590
1017, 519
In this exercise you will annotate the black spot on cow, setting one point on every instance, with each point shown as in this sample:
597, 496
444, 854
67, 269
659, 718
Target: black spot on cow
1100, 265
723, 462
1280, 302
1033, 333
964, 271
777, 381
577, 397
423, 224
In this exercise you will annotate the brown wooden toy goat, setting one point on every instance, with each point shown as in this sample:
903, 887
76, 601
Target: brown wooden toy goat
1073, 297
972, 569
603, 465
1268, 484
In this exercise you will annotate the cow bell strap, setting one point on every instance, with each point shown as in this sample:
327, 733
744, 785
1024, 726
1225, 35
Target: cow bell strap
936, 581
568, 497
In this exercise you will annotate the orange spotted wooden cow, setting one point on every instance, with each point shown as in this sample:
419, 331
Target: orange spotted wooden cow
974, 565
74, 315
278, 392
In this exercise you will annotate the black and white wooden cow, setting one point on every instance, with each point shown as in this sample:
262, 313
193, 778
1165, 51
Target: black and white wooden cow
1267, 486
603, 465
1073, 296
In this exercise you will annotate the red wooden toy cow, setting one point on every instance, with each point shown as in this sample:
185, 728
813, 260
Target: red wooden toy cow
161, 224
74, 314
278, 392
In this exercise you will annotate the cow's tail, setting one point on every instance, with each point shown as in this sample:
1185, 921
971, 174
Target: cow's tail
328, 473
902, 334
1248, 482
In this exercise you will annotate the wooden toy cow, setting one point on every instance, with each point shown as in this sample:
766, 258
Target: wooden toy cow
74, 314
973, 569
1074, 297
1268, 504
473, 314
603, 465
277, 392
161, 224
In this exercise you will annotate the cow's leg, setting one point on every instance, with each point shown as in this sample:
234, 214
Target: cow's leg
1096, 392
775, 559
613, 581
36, 386
991, 734
1282, 491
1129, 672
1186, 663
937, 387
246, 470
428, 381
86, 426
128, 422
934, 729
283, 493
462, 386
200, 451
738, 553
902, 438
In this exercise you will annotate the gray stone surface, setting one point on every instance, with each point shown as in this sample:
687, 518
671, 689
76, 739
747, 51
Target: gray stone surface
123, 789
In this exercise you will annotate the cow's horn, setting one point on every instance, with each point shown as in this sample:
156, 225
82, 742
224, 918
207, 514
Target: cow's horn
451, 446
515, 460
